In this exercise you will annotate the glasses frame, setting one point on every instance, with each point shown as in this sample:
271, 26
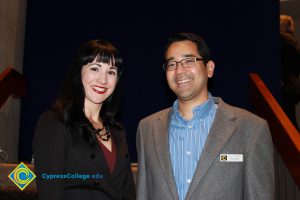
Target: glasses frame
177, 62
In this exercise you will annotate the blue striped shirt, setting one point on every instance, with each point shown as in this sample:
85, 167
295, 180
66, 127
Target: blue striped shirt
187, 139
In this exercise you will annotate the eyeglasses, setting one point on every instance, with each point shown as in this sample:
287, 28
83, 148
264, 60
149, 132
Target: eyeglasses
185, 63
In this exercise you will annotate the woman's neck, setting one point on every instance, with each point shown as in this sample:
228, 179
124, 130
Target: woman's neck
92, 111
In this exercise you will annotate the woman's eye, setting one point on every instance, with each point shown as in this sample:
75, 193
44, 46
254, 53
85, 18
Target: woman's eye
112, 73
94, 69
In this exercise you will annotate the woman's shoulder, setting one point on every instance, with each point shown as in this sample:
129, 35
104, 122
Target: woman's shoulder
48, 130
49, 116
49, 120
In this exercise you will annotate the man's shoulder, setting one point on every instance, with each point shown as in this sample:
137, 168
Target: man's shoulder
242, 114
162, 114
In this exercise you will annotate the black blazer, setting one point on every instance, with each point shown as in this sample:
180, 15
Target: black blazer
60, 152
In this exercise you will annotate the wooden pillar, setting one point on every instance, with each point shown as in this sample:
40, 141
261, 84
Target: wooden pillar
12, 33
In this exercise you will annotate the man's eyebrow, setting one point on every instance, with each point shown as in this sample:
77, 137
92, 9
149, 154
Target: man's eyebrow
183, 56
113, 67
188, 55
172, 58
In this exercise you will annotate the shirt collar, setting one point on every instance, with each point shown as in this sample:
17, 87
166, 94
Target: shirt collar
199, 112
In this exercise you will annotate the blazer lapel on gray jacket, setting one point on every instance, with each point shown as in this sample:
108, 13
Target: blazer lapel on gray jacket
220, 132
161, 139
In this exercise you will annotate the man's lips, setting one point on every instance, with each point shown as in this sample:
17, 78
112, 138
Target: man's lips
99, 89
180, 82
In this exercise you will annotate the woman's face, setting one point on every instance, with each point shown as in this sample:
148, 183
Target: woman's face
99, 81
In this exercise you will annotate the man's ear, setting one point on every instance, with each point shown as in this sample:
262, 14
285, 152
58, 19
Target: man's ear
210, 67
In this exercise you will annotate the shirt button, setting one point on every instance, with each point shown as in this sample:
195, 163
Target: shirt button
188, 181
188, 153
190, 126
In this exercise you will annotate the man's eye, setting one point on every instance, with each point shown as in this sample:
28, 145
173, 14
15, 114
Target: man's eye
189, 61
171, 64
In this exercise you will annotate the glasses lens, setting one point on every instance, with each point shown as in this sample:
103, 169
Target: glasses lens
171, 65
188, 62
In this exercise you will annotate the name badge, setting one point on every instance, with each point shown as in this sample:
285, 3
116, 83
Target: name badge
231, 157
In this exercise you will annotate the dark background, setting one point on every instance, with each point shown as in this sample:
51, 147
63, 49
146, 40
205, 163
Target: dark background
242, 35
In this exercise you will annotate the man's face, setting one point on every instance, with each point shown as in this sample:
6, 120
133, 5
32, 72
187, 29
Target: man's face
188, 83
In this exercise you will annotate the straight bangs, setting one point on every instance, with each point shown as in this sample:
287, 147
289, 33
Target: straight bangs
104, 55
112, 58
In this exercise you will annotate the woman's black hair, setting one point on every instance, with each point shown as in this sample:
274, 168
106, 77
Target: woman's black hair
70, 102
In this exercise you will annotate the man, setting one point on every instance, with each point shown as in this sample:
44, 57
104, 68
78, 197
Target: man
290, 68
201, 148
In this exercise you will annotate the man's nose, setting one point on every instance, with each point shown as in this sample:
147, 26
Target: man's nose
179, 68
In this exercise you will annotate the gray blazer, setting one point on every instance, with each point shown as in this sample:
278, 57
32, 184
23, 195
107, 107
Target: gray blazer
234, 131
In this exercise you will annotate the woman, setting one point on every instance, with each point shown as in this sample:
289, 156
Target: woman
80, 150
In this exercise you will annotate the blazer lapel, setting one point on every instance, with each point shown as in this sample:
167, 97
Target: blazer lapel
161, 140
220, 132
121, 152
107, 183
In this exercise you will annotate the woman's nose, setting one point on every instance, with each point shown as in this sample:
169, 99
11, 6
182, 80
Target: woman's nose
102, 78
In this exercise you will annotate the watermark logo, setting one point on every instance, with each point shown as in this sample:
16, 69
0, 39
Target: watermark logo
22, 176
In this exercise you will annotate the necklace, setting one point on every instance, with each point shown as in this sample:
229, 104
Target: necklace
104, 136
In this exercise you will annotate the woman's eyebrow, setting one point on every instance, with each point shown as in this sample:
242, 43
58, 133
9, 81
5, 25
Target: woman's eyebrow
95, 64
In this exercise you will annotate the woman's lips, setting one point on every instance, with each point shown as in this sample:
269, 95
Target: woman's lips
99, 89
